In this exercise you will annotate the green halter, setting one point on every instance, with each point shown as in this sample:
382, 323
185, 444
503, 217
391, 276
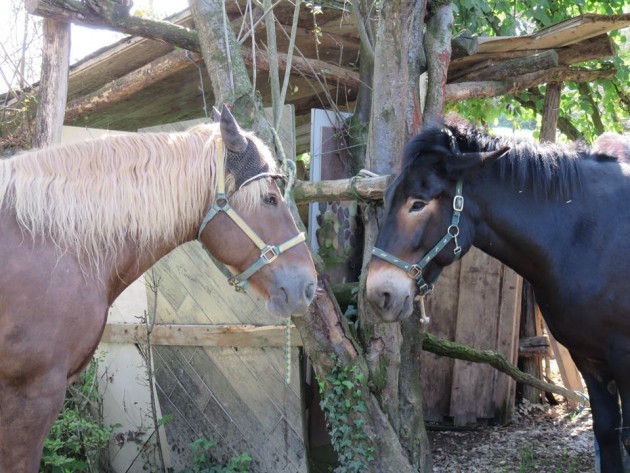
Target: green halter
414, 271
268, 253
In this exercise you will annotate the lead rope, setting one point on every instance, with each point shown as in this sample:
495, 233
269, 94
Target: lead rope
287, 352
424, 319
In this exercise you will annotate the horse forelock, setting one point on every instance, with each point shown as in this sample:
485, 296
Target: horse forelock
95, 196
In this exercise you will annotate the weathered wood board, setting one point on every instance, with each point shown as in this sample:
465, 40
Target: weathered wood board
235, 396
476, 302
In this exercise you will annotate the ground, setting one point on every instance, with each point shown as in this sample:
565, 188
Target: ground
540, 439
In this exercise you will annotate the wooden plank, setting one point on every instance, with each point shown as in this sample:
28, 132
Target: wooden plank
203, 335
442, 310
509, 314
477, 320
569, 373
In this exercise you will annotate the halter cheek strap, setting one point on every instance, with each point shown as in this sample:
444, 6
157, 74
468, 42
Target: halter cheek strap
414, 271
268, 253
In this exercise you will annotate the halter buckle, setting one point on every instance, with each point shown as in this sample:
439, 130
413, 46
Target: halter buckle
414, 272
269, 253
458, 203
425, 289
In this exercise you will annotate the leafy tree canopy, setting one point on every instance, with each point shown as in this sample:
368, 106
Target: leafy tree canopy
587, 109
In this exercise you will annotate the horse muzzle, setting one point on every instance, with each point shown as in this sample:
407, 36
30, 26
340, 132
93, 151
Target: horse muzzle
292, 292
390, 292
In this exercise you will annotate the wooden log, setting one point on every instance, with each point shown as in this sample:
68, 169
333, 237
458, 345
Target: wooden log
486, 89
366, 188
123, 87
53, 89
551, 110
534, 347
464, 44
116, 17
512, 67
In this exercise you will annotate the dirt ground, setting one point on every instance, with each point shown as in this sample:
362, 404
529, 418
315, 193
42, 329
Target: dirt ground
540, 439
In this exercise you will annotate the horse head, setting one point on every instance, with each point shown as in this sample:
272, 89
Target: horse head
249, 227
426, 225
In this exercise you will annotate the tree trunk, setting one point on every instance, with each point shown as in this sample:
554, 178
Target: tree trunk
54, 83
396, 115
438, 52
226, 66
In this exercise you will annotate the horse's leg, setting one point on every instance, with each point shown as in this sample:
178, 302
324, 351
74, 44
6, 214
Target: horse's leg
620, 364
602, 391
28, 407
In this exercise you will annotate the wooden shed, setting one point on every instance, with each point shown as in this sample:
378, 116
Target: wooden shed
235, 394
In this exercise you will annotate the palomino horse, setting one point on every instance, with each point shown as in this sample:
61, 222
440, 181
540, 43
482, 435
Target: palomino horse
79, 223
559, 216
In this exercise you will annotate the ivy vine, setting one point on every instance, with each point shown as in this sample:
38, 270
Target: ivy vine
342, 401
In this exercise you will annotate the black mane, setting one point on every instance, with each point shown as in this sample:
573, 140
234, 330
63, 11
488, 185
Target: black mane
549, 170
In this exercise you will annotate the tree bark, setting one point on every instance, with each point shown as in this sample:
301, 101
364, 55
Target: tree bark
226, 66
551, 109
438, 53
124, 87
396, 115
116, 17
511, 67
497, 360
486, 89
54, 83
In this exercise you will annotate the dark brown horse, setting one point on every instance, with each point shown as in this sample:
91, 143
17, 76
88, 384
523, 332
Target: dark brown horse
558, 215
79, 223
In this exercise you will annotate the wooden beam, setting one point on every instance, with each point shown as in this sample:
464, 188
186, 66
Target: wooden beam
534, 346
366, 188
551, 110
202, 335
123, 87
53, 90
114, 16
512, 67
486, 89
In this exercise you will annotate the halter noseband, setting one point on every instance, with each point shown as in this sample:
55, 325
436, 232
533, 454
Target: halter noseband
414, 271
268, 253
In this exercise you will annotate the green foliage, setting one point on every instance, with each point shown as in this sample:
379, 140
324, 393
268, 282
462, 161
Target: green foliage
342, 402
607, 99
77, 436
203, 461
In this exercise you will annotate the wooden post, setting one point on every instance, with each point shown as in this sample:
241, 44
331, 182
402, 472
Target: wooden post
550, 112
53, 87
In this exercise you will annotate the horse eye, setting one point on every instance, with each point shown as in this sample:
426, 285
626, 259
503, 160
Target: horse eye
416, 206
270, 199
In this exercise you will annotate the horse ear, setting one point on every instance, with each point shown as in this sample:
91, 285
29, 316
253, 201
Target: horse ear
216, 114
459, 163
231, 133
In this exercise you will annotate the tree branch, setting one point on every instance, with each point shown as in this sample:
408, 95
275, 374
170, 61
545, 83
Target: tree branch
461, 352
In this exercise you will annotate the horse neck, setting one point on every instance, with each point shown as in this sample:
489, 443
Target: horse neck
516, 227
130, 264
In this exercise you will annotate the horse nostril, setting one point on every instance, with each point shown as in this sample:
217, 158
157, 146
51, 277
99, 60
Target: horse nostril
309, 292
286, 294
386, 298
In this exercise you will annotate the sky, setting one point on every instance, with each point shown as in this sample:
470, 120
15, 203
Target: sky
16, 25
87, 40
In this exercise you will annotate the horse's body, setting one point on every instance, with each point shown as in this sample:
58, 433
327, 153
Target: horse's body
559, 217
78, 224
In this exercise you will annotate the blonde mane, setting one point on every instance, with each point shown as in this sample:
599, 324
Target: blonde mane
146, 188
